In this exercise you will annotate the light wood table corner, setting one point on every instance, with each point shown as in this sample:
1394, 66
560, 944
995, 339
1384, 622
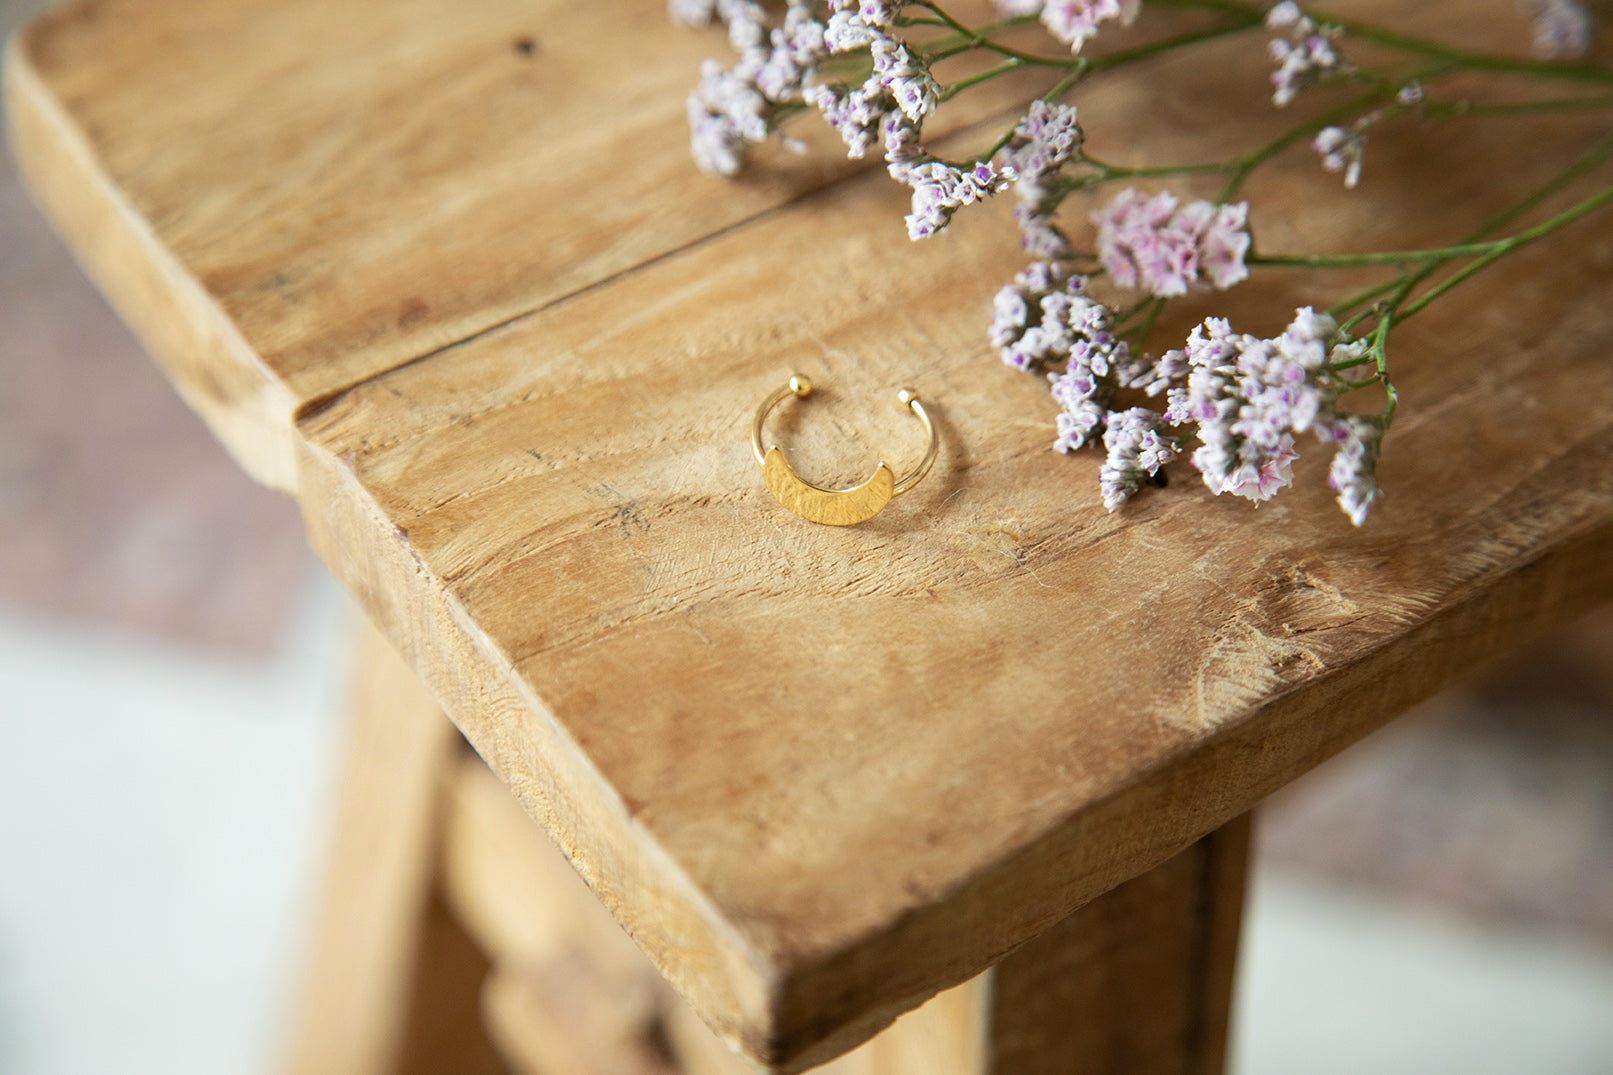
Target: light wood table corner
444, 273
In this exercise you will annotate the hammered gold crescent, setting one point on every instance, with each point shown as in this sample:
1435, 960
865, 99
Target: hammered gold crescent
837, 507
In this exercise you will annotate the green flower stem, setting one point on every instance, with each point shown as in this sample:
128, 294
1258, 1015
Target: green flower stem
1598, 152
966, 39
1109, 172
1022, 59
1487, 250
1240, 167
1142, 52
1419, 46
1458, 109
1375, 257
1339, 309
1150, 311
1523, 238
981, 38
1403, 285
1244, 166
1473, 61
955, 88
1380, 352
1062, 86
1078, 66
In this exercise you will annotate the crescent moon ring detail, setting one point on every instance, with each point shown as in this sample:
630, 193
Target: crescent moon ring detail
835, 507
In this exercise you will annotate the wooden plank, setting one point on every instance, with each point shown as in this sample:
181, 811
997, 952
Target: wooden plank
784, 755
818, 776
446, 1030
355, 997
362, 184
944, 1036
570, 994
561, 1019
1137, 982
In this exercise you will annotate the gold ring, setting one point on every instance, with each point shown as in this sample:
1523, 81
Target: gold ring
837, 507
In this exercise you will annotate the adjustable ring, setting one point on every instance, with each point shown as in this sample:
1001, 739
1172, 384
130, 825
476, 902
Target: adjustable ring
837, 507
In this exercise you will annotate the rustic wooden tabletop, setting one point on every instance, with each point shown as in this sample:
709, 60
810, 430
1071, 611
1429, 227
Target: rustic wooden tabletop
446, 274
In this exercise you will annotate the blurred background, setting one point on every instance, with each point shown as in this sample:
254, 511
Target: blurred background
1438, 899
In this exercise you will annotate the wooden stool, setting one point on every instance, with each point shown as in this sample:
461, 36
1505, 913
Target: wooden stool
445, 274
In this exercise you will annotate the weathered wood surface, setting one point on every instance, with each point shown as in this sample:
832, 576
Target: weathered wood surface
1137, 982
339, 188
569, 993
818, 774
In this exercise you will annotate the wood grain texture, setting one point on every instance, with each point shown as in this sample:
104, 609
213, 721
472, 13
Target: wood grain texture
447, 1030
1137, 982
561, 1019
570, 994
817, 773
354, 1005
784, 754
359, 185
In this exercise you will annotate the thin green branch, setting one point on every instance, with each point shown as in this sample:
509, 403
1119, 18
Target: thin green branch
1374, 257
1141, 333
1523, 238
1142, 52
955, 88
1597, 153
1245, 165
1459, 109
1380, 352
981, 38
1339, 309
1418, 46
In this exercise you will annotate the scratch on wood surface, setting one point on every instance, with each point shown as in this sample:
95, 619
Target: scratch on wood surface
1299, 576
1246, 664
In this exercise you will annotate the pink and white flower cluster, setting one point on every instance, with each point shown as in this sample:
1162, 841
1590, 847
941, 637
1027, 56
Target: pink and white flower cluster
1249, 396
1304, 54
1353, 475
1046, 319
1136, 451
1045, 139
892, 103
1341, 150
732, 109
1166, 248
1562, 28
1074, 21
941, 189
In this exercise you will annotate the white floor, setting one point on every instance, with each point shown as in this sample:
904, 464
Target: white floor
159, 824
1335, 983
160, 821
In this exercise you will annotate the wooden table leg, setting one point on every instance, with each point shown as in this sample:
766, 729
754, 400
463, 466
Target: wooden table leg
366, 938
1137, 982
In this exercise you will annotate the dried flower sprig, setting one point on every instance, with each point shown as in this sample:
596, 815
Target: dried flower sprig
1236, 405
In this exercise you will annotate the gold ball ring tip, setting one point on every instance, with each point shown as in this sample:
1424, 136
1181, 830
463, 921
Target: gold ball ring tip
835, 507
